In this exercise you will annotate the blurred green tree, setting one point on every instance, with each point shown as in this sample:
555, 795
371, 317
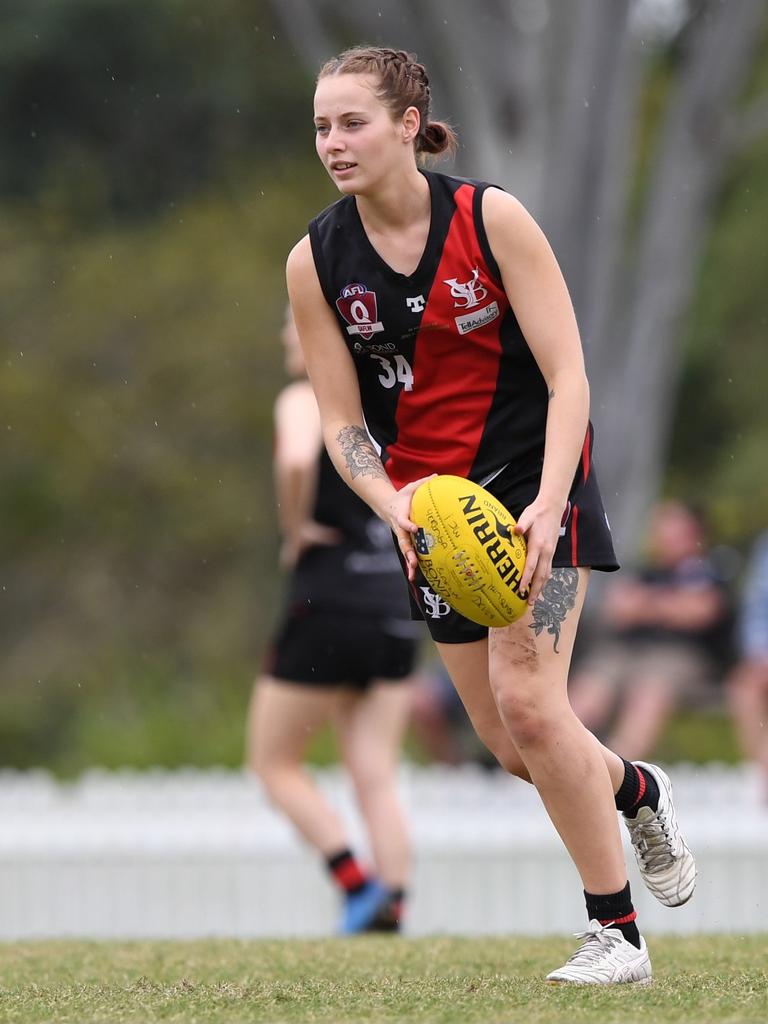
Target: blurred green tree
122, 107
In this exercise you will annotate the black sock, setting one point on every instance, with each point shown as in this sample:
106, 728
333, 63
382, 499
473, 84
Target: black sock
389, 917
639, 789
616, 911
346, 871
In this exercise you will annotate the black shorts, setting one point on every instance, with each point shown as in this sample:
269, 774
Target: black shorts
330, 648
585, 540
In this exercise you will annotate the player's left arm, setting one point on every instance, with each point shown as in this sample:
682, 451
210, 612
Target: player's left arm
539, 297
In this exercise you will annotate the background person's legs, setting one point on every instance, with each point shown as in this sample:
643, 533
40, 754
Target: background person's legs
371, 729
595, 687
282, 719
648, 703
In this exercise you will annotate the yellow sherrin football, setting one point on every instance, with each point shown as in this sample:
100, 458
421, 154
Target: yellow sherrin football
468, 551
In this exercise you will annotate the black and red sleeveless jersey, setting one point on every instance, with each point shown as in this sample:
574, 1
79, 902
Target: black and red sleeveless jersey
447, 380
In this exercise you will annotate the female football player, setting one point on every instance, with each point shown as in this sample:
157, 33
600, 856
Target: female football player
343, 655
440, 338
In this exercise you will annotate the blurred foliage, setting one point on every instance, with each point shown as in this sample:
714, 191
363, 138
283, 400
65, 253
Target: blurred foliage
720, 434
137, 510
121, 107
155, 172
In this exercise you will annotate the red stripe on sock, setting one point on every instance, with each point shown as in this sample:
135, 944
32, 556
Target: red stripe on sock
620, 920
641, 783
349, 875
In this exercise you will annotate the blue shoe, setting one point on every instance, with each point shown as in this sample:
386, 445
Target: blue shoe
362, 907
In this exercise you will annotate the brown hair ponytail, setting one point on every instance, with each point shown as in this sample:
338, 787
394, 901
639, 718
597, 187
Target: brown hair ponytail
403, 83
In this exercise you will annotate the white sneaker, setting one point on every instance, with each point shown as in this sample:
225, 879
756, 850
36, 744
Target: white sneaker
604, 958
666, 864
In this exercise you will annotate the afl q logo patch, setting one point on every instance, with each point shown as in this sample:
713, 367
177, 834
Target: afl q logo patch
359, 308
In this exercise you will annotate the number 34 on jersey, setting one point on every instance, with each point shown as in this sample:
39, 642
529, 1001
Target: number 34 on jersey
395, 369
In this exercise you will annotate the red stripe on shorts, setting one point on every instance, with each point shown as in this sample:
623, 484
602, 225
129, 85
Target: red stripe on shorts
575, 535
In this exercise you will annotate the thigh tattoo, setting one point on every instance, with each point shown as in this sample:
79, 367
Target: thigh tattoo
557, 598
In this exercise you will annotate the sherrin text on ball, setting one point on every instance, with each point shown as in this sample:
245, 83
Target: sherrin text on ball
468, 550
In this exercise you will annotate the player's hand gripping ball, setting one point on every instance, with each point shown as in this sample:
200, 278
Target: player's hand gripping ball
468, 550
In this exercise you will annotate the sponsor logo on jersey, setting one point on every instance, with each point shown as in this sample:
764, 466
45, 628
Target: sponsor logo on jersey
467, 294
435, 605
478, 318
415, 303
384, 346
358, 307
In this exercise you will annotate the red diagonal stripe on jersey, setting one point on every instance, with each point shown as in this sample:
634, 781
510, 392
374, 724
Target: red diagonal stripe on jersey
440, 422
585, 454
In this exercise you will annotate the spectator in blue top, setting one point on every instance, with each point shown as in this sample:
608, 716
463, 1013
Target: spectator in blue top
748, 684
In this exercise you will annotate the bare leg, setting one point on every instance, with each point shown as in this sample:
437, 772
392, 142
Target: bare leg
648, 703
467, 666
371, 729
282, 719
529, 662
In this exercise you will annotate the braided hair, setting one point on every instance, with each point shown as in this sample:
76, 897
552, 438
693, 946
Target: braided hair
403, 83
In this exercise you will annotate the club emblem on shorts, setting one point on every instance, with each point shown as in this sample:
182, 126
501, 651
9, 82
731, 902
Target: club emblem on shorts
436, 607
467, 294
358, 307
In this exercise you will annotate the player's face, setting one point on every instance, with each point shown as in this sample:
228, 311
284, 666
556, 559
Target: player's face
356, 138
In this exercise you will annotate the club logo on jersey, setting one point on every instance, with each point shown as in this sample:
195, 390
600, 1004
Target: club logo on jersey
358, 307
436, 607
467, 294
415, 303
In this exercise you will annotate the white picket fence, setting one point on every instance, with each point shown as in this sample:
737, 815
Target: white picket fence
199, 853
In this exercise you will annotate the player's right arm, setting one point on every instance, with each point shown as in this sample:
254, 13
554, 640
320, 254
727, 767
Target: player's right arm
334, 380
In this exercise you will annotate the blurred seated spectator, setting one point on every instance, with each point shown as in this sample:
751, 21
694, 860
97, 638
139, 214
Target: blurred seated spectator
748, 683
439, 723
664, 637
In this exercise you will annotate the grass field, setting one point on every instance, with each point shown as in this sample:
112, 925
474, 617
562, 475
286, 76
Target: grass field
707, 979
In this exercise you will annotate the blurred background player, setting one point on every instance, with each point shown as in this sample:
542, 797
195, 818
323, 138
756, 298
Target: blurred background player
748, 685
342, 654
664, 638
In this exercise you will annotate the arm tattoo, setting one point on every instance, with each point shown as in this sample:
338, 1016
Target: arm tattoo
359, 454
557, 598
